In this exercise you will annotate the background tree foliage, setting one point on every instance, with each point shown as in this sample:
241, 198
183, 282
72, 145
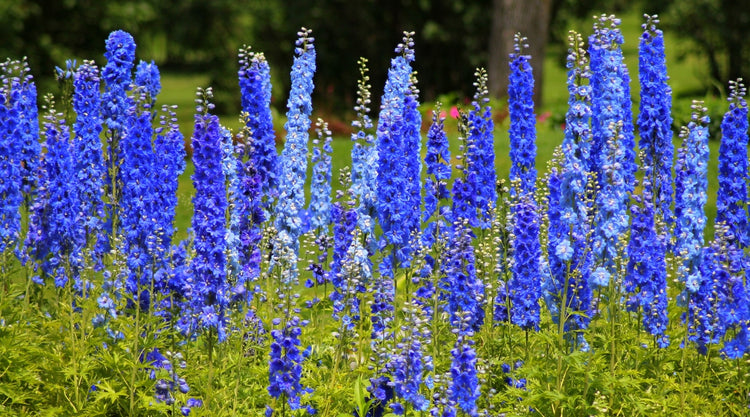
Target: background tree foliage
453, 37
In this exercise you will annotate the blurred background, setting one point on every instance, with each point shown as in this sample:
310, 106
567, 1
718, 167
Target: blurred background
198, 40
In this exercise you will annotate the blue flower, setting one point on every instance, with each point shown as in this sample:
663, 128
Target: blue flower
120, 54
691, 186
524, 286
465, 383
255, 88
732, 194
654, 118
464, 290
62, 236
364, 157
285, 364
410, 365
169, 164
147, 76
320, 189
15, 112
139, 194
397, 132
646, 277
294, 156
611, 218
610, 83
522, 120
480, 152
208, 267
89, 164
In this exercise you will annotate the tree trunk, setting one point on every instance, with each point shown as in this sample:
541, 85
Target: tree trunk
531, 19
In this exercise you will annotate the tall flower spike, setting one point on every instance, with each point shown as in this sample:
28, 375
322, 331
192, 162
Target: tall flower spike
524, 286
294, 156
255, 89
691, 186
11, 169
27, 130
397, 112
319, 211
364, 156
655, 119
208, 267
481, 151
250, 213
436, 190
90, 169
522, 119
120, 53
169, 149
569, 259
138, 197
147, 76
732, 192
611, 103
646, 278
412, 147
611, 218
62, 233
465, 292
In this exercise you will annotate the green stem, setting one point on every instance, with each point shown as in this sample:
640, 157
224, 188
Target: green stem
136, 354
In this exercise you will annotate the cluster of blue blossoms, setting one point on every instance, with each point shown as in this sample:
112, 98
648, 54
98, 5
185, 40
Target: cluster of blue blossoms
250, 214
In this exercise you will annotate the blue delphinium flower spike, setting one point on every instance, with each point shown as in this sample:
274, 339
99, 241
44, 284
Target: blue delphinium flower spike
654, 118
62, 233
610, 83
255, 89
116, 105
319, 211
480, 155
732, 192
522, 119
524, 286
569, 259
210, 295
395, 201
147, 76
364, 157
691, 186
437, 161
90, 169
11, 168
294, 156
646, 278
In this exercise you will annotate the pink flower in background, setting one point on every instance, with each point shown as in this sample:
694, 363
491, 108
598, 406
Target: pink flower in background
454, 112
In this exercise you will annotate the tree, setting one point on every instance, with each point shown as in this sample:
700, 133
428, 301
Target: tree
719, 29
529, 17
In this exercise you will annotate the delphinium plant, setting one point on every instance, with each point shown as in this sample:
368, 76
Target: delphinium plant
364, 158
646, 278
255, 90
90, 168
210, 294
13, 76
522, 129
293, 164
117, 76
394, 202
568, 294
655, 120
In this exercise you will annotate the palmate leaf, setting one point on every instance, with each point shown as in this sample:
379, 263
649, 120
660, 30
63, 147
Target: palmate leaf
106, 393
